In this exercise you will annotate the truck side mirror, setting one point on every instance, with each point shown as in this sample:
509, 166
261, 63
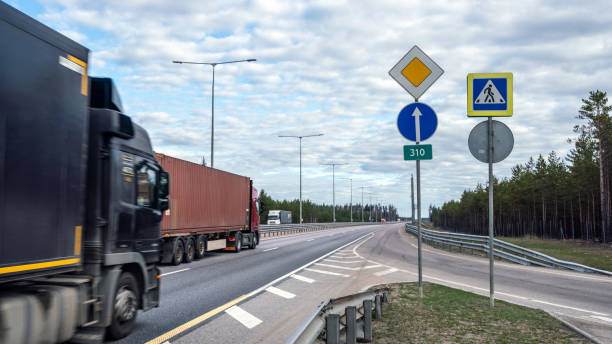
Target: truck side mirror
164, 184
164, 204
262, 207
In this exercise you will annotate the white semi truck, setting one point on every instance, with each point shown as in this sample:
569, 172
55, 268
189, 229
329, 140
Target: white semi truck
278, 217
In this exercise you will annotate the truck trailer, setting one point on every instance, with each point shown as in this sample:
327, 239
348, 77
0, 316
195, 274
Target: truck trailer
209, 210
81, 195
278, 217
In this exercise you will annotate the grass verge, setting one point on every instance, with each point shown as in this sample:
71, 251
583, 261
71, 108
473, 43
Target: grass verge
447, 315
581, 252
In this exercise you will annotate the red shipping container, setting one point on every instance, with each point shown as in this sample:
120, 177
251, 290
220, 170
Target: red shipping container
204, 199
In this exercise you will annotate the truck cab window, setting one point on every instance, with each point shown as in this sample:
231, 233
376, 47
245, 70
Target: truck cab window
146, 186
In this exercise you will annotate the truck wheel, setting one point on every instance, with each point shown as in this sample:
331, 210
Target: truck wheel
200, 246
189, 250
253, 242
238, 243
125, 306
255, 239
179, 252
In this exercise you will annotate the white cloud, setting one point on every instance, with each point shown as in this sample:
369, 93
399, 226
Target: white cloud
322, 67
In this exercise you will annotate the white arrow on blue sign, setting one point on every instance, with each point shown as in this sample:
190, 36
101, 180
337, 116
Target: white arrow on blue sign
417, 122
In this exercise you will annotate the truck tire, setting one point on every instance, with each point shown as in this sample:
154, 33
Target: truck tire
252, 241
125, 306
255, 239
189, 250
200, 246
178, 252
238, 243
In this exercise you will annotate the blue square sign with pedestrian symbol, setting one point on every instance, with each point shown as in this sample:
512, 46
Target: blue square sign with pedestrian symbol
489, 94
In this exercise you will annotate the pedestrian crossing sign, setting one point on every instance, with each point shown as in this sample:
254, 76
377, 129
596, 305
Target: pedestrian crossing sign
489, 94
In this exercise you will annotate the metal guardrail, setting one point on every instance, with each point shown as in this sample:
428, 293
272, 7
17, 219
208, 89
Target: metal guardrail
278, 230
350, 316
501, 249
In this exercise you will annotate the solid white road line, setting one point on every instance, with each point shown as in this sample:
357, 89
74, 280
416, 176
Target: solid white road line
606, 319
173, 272
244, 317
386, 272
344, 257
343, 262
280, 292
310, 240
337, 267
303, 279
326, 272
270, 249
478, 288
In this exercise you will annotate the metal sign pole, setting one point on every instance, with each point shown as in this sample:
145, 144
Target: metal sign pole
418, 178
418, 173
412, 195
491, 256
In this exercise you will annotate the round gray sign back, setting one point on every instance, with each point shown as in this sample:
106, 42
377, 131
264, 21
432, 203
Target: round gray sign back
503, 141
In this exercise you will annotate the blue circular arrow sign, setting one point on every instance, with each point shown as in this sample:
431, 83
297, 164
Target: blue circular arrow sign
417, 115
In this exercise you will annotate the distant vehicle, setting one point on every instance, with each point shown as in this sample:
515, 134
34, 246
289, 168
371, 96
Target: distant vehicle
210, 210
278, 217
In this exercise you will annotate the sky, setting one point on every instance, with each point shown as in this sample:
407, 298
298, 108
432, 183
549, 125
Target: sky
322, 67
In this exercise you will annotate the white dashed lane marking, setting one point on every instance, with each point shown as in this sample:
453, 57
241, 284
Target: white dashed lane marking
606, 319
280, 292
173, 272
326, 272
371, 266
303, 279
244, 317
270, 249
343, 262
337, 267
386, 272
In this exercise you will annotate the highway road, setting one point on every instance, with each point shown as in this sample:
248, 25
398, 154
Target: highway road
263, 295
191, 290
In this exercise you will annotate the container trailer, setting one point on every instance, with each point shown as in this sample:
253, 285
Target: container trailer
209, 210
81, 195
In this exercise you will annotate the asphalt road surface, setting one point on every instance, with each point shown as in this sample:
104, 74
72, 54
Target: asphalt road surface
264, 295
190, 290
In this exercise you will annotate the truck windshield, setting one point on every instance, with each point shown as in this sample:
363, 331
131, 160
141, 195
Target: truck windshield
273, 217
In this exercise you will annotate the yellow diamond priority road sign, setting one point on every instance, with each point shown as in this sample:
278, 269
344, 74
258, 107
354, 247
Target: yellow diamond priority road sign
416, 72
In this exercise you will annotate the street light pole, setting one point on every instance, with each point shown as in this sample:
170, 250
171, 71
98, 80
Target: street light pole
212, 121
362, 187
300, 137
351, 203
333, 165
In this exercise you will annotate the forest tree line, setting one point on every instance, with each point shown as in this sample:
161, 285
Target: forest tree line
312, 212
549, 196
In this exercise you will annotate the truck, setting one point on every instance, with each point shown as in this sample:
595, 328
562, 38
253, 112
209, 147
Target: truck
209, 210
278, 217
81, 195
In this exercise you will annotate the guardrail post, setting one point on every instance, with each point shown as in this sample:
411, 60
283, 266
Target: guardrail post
385, 296
367, 321
351, 318
332, 329
378, 307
